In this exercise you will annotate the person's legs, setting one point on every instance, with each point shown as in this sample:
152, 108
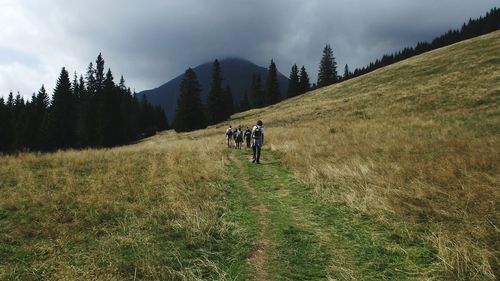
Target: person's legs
258, 154
254, 150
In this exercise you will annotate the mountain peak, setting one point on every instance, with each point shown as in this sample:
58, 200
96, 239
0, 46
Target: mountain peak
236, 72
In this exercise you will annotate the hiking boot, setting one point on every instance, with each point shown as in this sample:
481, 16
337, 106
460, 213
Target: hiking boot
253, 160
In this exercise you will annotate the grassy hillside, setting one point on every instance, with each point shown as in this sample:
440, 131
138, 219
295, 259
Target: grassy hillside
415, 143
390, 176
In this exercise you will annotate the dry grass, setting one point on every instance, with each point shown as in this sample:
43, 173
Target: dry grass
413, 143
119, 214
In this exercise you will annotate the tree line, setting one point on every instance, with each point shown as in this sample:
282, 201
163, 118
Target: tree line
299, 83
192, 114
473, 28
95, 112
87, 112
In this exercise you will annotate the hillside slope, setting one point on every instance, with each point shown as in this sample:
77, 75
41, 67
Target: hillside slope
414, 143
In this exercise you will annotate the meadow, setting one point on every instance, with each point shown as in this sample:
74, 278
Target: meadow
407, 157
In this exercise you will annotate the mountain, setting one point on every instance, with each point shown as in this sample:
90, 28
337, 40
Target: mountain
235, 71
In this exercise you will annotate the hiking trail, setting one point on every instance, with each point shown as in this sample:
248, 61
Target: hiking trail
299, 237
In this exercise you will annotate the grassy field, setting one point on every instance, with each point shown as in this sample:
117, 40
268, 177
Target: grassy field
390, 176
150, 211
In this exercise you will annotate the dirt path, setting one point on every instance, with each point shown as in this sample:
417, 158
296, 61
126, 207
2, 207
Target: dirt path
258, 257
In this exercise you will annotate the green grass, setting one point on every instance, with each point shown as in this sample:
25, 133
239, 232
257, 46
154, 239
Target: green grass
314, 240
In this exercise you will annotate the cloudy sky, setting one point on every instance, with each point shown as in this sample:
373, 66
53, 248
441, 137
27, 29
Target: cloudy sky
150, 42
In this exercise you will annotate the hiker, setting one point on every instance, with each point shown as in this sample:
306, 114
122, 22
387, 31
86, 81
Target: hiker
229, 135
234, 136
257, 141
248, 136
239, 138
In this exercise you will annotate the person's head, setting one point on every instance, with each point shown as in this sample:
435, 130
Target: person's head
259, 123
247, 128
230, 126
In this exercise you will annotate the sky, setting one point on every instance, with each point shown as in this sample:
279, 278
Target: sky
150, 42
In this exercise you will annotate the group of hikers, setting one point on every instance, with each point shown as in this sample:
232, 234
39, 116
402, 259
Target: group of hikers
253, 138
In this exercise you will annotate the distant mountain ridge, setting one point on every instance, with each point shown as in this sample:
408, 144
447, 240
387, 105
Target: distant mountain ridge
236, 72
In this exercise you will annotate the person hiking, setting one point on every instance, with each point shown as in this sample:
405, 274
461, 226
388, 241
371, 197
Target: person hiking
229, 135
248, 136
239, 138
257, 141
234, 136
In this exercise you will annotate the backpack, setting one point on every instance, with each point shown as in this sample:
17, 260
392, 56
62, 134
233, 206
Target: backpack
229, 132
257, 132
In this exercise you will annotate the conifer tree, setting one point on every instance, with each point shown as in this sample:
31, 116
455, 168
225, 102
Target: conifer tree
87, 109
293, 82
256, 92
7, 138
161, 121
189, 114
327, 74
99, 73
245, 102
228, 102
273, 91
41, 105
10, 101
4, 130
216, 104
109, 113
61, 123
18, 122
304, 84
347, 73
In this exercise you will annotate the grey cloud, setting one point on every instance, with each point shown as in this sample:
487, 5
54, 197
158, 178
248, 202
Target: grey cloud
150, 42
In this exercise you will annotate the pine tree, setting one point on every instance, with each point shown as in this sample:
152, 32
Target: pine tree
30, 123
41, 108
125, 103
327, 74
293, 82
273, 91
347, 73
189, 114
4, 130
19, 140
245, 102
7, 122
87, 110
160, 118
216, 104
304, 84
256, 92
109, 127
228, 102
61, 123
99, 73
